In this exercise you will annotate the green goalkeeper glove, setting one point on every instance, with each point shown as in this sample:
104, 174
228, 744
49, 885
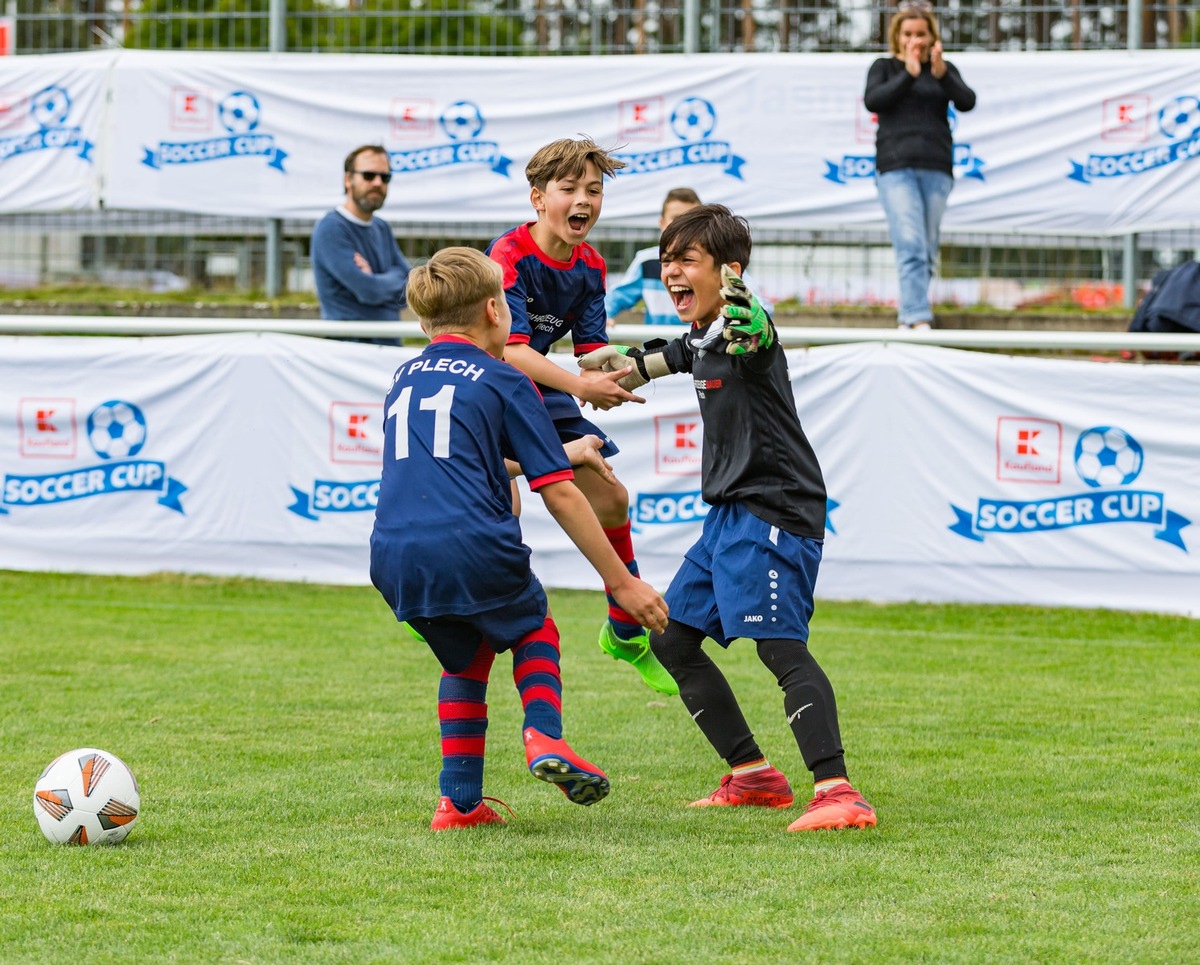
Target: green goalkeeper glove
747, 327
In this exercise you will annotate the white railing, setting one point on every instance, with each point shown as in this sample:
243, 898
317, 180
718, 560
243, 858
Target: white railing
789, 336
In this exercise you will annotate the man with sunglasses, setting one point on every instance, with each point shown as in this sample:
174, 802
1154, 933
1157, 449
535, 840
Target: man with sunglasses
359, 270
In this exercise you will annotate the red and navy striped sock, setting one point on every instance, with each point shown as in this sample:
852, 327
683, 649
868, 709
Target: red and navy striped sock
462, 718
539, 681
624, 626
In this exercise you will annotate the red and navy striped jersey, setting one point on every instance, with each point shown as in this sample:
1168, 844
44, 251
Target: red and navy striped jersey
550, 299
445, 541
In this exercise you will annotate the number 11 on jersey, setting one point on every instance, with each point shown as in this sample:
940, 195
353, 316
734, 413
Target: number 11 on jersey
440, 404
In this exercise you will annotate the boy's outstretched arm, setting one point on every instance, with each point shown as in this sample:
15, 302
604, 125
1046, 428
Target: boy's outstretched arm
602, 393
646, 365
583, 453
571, 511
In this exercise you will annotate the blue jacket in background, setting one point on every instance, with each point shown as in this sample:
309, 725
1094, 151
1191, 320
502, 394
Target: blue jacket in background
345, 291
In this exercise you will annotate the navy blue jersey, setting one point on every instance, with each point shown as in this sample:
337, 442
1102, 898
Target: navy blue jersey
446, 542
550, 298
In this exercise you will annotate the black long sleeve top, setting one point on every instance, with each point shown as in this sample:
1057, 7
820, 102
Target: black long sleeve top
914, 131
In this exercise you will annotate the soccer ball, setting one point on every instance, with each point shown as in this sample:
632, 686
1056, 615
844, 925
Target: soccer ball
462, 119
1107, 456
116, 429
1180, 117
239, 112
693, 119
50, 106
86, 796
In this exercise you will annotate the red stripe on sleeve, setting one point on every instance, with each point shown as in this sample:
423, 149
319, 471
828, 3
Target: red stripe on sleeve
565, 475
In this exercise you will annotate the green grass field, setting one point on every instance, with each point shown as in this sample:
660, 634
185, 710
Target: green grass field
1034, 772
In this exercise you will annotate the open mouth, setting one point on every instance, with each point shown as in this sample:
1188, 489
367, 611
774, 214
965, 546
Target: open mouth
578, 222
683, 297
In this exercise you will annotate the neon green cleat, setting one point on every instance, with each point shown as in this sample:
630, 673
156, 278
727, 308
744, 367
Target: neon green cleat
638, 653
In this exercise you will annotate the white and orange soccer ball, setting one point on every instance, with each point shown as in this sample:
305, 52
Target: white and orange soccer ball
86, 796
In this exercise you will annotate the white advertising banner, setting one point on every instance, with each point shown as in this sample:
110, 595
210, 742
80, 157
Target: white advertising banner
952, 476
1078, 142
51, 116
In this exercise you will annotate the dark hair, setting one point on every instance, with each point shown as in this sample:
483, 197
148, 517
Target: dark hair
352, 157
712, 227
682, 195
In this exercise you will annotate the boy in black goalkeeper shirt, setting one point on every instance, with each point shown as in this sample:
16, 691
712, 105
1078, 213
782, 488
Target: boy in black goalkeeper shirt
752, 572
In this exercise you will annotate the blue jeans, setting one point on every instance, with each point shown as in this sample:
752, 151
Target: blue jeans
914, 201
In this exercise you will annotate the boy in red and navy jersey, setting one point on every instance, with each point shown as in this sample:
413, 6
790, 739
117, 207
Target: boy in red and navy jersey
446, 549
554, 283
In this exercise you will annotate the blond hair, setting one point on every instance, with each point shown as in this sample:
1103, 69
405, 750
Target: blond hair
448, 291
911, 12
567, 158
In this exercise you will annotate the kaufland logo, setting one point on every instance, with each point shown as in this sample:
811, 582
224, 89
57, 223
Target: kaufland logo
677, 445
356, 433
355, 438
1106, 459
46, 428
1028, 450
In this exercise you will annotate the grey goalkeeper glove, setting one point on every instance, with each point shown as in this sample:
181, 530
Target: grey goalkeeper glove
747, 325
613, 358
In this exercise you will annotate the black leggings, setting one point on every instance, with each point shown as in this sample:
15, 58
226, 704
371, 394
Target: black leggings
808, 701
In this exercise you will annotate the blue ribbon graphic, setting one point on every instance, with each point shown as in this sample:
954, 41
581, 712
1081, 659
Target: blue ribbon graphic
173, 153
683, 155
48, 139
1134, 162
128, 475
1096, 508
444, 155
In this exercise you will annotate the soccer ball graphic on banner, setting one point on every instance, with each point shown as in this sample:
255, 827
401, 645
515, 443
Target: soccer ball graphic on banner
239, 112
1107, 456
461, 120
693, 119
86, 796
50, 106
1180, 118
116, 429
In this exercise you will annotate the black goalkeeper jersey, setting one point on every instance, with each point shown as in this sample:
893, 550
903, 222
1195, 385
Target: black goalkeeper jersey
755, 451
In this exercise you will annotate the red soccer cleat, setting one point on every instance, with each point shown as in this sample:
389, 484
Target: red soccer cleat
763, 789
448, 816
553, 761
839, 807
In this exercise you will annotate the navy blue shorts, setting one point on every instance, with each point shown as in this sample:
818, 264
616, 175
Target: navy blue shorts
455, 640
746, 578
576, 427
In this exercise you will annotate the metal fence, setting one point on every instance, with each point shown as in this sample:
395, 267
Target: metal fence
549, 27
161, 253
166, 253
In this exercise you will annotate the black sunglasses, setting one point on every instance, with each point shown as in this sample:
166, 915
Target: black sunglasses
372, 175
